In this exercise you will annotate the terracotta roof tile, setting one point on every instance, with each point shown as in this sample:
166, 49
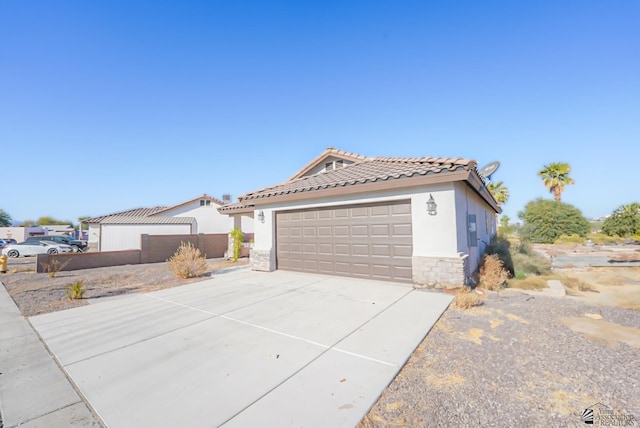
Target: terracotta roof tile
368, 170
147, 220
136, 212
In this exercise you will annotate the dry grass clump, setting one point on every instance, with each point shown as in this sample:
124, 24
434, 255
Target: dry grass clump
54, 266
529, 283
493, 275
571, 283
466, 299
187, 262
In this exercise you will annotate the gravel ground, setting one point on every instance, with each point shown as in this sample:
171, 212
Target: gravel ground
37, 293
512, 362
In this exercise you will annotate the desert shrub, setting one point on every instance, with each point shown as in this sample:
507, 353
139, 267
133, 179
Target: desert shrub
493, 275
569, 239
529, 283
575, 284
604, 239
532, 264
54, 266
501, 247
524, 247
466, 299
75, 290
187, 262
545, 220
520, 275
238, 238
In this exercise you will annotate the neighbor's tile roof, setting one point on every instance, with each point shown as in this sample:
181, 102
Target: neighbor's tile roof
368, 170
147, 220
137, 212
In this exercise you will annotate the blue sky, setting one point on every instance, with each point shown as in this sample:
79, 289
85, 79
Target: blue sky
145, 103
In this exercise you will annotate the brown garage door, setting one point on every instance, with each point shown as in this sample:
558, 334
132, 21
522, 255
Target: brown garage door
367, 241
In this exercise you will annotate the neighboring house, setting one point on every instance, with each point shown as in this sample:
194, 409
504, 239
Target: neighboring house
20, 233
421, 220
122, 230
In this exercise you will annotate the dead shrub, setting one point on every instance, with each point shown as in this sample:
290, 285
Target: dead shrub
575, 284
54, 266
466, 299
187, 262
493, 275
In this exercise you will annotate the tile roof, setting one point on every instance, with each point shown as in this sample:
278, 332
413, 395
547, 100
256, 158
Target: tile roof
136, 212
329, 152
147, 220
203, 196
368, 170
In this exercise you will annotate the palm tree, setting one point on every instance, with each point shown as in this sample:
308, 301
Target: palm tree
555, 177
499, 192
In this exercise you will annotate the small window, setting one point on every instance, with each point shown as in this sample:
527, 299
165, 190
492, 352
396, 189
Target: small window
338, 164
205, 202
328, 166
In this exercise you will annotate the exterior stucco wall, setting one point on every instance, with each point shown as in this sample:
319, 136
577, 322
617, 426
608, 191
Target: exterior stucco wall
209, 220
116, 237
433, 235
469, 202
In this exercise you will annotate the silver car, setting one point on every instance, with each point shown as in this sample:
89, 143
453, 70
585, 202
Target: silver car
31, 248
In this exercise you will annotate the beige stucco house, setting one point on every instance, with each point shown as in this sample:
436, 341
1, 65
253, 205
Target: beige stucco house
420, 220
123, 230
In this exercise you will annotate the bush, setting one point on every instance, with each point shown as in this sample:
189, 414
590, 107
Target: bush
533, 264
187, 262
238, 238
493, 275
54, 266
501, 247
545, 220
466, 299
625, 221
75, 290
604, 239
570, 239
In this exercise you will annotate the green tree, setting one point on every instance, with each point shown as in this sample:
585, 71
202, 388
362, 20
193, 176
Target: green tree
499, 192
47, 220
545, 220
5, 218
625, 221
555, 177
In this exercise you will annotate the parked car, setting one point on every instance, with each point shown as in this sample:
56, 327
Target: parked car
7, 241
76, 244
31, 248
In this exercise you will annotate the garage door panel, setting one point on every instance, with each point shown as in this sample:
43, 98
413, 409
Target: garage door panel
360, 249
402, 251
403, 229
359, 230
367, 241
380, 229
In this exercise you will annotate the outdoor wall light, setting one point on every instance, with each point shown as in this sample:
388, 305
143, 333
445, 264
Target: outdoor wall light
432, 207
261, 216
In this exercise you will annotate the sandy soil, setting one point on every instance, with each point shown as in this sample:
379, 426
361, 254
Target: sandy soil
37, 293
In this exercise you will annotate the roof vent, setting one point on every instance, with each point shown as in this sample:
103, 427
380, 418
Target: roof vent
226, 198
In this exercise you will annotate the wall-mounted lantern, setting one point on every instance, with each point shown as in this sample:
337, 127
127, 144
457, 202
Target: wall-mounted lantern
261, 216
432, 207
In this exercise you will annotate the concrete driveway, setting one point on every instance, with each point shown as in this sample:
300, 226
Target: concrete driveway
242, 349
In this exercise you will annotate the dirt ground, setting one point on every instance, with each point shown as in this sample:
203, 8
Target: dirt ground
37, 293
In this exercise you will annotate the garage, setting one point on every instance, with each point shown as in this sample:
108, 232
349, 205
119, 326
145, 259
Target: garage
364, 240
